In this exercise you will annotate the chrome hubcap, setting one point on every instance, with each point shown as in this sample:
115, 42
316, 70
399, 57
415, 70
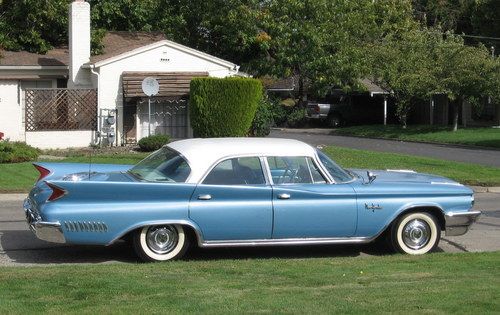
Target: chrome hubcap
162, 239
416, 234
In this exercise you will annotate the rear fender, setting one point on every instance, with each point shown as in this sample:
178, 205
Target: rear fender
115, 208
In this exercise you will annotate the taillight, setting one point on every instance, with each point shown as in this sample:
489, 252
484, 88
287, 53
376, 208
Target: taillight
316, 108
43, 172
57, 192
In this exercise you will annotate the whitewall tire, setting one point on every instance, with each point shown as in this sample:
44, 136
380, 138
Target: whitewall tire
415, 233
161, 242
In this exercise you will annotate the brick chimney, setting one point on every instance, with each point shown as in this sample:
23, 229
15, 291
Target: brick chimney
79, 43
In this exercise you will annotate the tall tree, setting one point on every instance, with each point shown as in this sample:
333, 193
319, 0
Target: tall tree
402, 64
463, 72
33, 25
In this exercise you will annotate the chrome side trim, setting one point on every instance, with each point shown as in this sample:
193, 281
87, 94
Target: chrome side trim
458, 223
401, 171
288, 241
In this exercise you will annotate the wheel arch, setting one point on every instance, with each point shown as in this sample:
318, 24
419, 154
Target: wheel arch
192, 229
433, 209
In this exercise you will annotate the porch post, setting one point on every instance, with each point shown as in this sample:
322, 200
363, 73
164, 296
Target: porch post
432, 111
385, 110
149, 116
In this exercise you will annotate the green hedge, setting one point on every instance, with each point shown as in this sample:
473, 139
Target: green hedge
14, 152
223, 107
153, 143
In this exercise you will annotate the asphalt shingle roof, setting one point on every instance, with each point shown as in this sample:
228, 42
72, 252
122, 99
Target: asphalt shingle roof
115, 43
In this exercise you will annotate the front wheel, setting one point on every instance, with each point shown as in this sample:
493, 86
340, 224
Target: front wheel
415, 233
160, 242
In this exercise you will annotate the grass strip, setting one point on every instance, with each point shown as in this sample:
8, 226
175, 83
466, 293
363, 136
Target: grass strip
485, 136
19, 177
465, 283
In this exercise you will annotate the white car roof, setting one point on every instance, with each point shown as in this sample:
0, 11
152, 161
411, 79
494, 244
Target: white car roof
201, 154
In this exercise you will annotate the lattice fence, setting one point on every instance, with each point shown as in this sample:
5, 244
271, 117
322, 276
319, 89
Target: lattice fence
60, 109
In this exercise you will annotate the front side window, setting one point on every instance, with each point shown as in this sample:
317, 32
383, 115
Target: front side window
237, 171
164, 165
294, 170
338, 173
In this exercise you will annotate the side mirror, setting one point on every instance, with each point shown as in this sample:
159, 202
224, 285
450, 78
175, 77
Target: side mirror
371, 176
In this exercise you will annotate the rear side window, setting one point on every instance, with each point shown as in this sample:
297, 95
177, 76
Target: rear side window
237, 171
294, 170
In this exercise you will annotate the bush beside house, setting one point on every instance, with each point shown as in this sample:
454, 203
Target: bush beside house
153, 143
15, 152
223, 107
263, 120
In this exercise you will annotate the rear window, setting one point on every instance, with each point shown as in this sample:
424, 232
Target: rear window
164, 165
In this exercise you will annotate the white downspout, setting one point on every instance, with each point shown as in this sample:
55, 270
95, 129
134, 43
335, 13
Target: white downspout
97, 74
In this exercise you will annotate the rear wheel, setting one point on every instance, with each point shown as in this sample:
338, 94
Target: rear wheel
160, 242
415, 233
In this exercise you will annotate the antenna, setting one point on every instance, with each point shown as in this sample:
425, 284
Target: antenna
90, 162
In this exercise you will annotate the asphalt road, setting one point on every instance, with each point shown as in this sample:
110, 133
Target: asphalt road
19, 247
438, 151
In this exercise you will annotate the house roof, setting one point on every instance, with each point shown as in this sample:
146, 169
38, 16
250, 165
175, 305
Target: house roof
372, 88
116, 44
54, 57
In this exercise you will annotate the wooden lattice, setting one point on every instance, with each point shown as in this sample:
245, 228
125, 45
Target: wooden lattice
61, 109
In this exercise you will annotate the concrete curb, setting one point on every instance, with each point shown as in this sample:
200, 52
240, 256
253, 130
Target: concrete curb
480, 189
12, 197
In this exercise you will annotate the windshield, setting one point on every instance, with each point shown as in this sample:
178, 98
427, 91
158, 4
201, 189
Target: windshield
164, 165
338, 173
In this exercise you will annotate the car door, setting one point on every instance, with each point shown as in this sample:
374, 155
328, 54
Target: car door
233, 202
305, 205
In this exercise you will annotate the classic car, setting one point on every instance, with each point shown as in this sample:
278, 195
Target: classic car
243, 192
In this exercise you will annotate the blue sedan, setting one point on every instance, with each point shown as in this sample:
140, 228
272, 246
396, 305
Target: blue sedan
243, 192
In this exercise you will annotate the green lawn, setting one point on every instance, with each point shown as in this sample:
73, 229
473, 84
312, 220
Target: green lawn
435, 283
487, 137
19, 177
466, 173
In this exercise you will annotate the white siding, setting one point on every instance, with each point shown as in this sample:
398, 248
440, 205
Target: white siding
10, 110
160, 59
59, 139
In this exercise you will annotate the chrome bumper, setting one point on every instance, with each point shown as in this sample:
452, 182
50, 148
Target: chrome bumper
458, 223
47, 231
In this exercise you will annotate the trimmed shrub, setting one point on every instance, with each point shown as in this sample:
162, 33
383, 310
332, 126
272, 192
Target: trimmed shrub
152, 143
297, 118
15, 152
223, 107
263, 120
280, 113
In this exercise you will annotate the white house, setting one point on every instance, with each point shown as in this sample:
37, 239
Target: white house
68, 98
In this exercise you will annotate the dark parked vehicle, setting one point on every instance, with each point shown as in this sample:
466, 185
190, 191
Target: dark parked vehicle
332, 114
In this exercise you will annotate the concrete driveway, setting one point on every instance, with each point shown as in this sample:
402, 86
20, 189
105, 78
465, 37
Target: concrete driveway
438, 151
19, 247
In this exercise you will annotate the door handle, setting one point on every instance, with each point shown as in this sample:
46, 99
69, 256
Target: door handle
204, 197
283, 196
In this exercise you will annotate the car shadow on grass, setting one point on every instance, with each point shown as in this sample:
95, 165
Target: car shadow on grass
22, 247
